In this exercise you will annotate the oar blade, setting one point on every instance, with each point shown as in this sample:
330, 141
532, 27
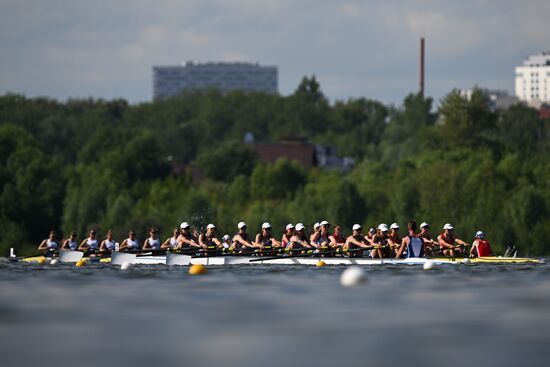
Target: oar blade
119, 258
177, 259
70, 256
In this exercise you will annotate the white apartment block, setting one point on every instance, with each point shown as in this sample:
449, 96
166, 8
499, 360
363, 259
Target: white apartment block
533, 79
169, 81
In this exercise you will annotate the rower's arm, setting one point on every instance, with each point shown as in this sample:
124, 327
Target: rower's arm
42, 245
83, 245
473, 248
460, 242
404, 244
442, 243
243, 242
101, 246
145, 245
217, 242
166, 244
201, 242
275, 243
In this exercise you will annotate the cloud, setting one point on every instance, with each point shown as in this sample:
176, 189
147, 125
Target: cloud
68, 48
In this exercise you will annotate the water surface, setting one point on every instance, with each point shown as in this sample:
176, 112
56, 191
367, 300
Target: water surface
265, 315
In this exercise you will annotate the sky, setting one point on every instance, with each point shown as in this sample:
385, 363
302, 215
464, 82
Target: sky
106, 49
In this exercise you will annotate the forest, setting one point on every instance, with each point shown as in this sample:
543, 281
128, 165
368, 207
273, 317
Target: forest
108, 164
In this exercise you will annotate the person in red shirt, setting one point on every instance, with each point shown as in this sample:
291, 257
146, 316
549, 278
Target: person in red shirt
480, 246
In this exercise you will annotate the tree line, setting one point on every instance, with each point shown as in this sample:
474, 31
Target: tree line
100, 164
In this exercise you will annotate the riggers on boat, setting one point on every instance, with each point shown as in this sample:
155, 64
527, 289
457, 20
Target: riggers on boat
118, 258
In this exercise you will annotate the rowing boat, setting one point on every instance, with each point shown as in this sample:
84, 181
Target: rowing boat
119, 258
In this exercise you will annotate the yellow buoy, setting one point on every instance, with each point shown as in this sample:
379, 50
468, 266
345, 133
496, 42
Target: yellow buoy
197, 269
320, 263
81, 262
41, 260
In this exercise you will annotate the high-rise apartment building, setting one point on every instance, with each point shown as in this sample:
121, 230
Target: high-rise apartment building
533, 79
170, 81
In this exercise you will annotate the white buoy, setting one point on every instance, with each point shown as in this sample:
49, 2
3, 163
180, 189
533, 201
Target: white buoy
429, 265
352, 276
126, 265
466, 261
54, 262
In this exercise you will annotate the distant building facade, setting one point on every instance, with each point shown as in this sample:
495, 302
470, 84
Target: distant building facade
498, 99
533, 80
169, 81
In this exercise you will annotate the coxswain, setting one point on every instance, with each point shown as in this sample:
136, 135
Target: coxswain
357, 241
131, 243
314, 234
153, 241
241, 240
337, 239
289, 232
226, 242
70, 243
299, 241
50, 245
172, 241
89, 244
209, 241
265, 240
394, 240
447, 239
413, 243
108, 244
480, 246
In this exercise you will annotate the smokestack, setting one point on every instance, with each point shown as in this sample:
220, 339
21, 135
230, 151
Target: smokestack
422, 67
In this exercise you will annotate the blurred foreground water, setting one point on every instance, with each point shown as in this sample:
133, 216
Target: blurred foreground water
254, 315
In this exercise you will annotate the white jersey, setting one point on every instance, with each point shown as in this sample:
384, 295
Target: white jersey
52, 245
173, 242
110, 245
92, 244
132, 244
154, 243
73, 245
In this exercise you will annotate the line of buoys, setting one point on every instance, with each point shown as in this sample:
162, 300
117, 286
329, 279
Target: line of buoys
429, 265
80, 262
197, 269
320, 263
352, 276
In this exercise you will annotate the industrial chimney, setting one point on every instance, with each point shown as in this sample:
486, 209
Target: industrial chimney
421, 91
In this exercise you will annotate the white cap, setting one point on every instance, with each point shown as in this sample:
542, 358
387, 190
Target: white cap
289, 226
394, 226
241, 225
266, 225
424, 224
480, 234
300, 226
356, 227
324, 223
448, 226
184, 225
225, 238
383, 227
210, 226
372, 230
315, 226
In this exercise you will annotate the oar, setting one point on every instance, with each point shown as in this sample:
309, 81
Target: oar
316, 254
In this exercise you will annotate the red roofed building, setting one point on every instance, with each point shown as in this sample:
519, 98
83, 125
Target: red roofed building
297, 149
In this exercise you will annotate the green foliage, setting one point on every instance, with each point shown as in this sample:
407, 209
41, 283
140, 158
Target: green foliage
106, 165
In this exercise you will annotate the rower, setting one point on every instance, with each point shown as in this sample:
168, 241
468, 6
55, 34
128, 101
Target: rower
380, 242
89, 244
480, 246
355, 241
241, 240
50, 245
337, 239
209, 241
394, 240
108, 244
289, 232
130, 244
226, 242
370, 235
172, 241
413, 243
153, 242
429, 243
70, 243
186, 240
314, 234
299, 241
265, 240
322, 241
447, 239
